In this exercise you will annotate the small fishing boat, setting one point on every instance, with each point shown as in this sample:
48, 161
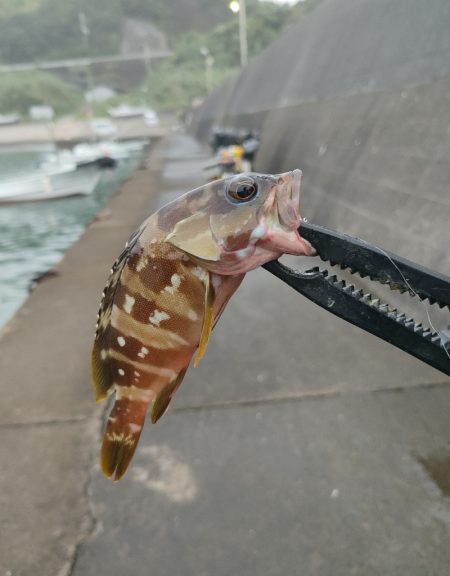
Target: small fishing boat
47, 186
106, 154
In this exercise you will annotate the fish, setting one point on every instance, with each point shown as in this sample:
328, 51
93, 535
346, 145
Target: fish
169, 287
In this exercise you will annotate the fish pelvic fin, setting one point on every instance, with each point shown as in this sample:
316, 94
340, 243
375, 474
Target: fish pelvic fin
164, 398
208, 319
121, 437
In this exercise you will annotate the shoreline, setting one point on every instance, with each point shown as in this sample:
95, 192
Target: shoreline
50, 419
69, 131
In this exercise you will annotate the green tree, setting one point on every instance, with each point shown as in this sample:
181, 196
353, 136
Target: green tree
21, 90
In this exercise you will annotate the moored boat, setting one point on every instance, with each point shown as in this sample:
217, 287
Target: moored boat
43, 186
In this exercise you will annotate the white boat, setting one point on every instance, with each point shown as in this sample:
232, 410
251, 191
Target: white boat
105, 153
46, 186
58, 162
9, 119
127, 111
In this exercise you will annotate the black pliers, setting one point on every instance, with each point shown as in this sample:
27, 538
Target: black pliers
361, 309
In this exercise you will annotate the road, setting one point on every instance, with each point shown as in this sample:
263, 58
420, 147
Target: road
298, 446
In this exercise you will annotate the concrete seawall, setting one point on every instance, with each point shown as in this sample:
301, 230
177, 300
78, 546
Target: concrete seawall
358, 96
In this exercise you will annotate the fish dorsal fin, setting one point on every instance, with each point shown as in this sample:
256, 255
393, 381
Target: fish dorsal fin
102, 379
208, 318
164, 398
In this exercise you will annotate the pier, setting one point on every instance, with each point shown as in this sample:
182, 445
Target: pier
298, 444
68, 131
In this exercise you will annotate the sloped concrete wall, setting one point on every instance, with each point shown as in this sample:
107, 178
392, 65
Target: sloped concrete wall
358, 96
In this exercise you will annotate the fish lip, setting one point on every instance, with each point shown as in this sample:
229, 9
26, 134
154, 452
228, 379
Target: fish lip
296, 189
288, 199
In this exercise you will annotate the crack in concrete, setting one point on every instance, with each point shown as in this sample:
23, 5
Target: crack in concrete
39, 423
308, 396
89, 524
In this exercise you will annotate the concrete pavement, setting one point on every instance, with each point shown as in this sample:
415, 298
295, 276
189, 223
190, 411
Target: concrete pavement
300, 445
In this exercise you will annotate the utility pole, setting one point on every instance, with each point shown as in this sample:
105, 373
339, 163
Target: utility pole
238, 6
85, 32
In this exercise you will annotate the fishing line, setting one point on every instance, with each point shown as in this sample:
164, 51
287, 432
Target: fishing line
439, 332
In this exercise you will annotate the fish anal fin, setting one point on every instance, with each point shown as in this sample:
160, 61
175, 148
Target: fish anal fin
208, 319
164, 398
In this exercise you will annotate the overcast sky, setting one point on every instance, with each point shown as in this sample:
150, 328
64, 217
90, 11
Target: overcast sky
282, 1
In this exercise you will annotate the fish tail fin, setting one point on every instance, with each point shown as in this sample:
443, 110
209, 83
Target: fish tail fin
123, 430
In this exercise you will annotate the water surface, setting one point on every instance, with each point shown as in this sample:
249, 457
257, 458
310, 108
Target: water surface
34, 236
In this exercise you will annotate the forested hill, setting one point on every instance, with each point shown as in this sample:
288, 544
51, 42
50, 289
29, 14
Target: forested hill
49, 29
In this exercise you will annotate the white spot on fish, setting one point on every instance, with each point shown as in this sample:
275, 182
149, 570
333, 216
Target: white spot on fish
134, 428
129, 303
158, 316
121, 371
103, 354
134, 394
241, 254
142, 263
136, 373
192, 315
143, 352
199, 272
121, 341
258, 232
175, 284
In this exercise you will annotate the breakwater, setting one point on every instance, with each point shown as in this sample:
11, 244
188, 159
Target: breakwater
357, 95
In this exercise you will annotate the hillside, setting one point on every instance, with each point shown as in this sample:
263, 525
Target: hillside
47, 29
50, 29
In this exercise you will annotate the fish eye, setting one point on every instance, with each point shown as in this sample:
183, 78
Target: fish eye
242, 190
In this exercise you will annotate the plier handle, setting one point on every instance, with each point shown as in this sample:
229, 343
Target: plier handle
362, 309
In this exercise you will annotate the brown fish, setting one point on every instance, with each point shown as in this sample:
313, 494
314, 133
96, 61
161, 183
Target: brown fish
169, 287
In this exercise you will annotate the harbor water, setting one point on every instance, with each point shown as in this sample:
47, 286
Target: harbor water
35, 235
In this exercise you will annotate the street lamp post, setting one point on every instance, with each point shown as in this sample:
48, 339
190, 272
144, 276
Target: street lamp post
238, 6
86, 33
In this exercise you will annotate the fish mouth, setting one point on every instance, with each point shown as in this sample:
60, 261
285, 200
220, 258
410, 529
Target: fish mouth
288, 199
286, 236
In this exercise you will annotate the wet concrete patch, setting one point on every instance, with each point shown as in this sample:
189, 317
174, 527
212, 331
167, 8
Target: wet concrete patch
437, 467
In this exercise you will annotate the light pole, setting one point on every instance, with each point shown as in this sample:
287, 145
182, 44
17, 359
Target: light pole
86, 33
238, 6
209, 61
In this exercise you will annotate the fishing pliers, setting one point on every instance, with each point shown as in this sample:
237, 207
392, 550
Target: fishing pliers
359, 307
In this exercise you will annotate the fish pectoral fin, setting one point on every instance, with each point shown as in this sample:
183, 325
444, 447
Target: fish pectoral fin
208, 319
164, 398
194, 237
